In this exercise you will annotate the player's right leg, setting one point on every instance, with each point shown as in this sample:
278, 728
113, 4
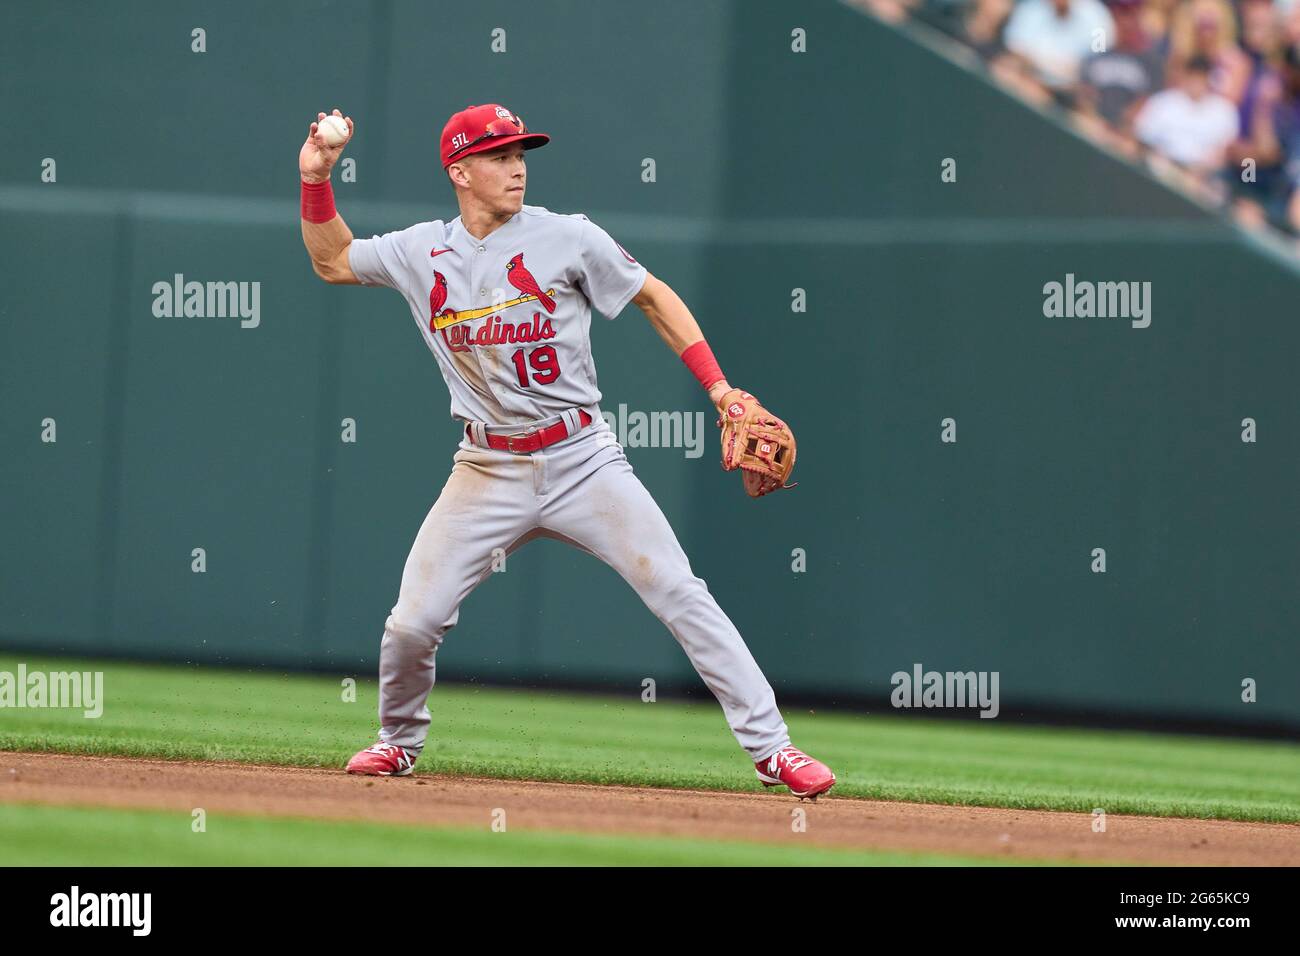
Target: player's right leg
486, 504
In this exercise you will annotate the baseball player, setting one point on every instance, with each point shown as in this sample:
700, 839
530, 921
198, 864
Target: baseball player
503, 295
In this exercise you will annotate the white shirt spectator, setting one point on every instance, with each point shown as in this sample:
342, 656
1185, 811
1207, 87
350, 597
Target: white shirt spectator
1189, 131
1057, 44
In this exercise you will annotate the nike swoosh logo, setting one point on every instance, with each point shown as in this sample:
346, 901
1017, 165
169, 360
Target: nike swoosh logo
437, 252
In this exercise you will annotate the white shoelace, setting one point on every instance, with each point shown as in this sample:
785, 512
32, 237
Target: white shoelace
794, 759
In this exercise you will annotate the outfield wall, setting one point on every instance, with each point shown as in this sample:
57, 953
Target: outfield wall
774, 171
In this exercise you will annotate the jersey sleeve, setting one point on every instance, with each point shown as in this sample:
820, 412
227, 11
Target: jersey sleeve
380, 260
608, 275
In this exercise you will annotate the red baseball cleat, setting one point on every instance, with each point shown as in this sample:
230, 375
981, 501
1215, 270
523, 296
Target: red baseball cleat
795, 769
383, 760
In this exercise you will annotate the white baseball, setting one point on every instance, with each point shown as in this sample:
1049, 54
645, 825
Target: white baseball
333, 130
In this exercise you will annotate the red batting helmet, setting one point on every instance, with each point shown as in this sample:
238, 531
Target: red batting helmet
476, 129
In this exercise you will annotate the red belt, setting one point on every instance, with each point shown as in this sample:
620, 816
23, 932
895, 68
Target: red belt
533, 441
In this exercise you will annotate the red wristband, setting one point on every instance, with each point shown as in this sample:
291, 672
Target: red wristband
699, 359
318, 201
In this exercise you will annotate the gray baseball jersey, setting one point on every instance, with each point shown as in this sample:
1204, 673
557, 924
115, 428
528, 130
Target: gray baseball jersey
507, 317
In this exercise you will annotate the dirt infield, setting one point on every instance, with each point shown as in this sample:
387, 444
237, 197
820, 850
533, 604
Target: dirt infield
57, 779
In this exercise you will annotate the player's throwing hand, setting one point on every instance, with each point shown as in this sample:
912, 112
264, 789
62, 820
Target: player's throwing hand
323, 146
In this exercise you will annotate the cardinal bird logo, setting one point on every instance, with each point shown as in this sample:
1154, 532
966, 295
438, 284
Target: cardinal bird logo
523, 280
437, 299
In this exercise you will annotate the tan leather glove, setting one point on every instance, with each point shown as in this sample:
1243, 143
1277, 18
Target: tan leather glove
755, 441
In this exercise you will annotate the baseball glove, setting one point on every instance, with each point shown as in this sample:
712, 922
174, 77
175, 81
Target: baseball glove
755, 441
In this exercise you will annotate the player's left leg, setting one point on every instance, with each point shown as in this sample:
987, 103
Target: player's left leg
595, 501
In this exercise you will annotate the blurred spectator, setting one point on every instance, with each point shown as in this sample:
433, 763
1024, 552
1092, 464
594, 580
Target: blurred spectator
1208, 29
1211, 91
1261, 41
1272, 146
1157, 16
1114, 84
982, 27
1052, 37
1291, 25
1261, 30
1189, 123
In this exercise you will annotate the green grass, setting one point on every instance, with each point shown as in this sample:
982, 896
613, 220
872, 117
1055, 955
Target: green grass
208, 713
78, 836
